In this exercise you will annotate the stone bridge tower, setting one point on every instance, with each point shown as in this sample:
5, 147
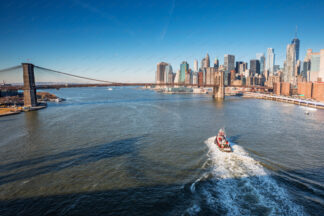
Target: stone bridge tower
30, 99
219, 89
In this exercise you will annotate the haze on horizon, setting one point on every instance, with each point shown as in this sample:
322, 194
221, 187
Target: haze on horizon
124, 40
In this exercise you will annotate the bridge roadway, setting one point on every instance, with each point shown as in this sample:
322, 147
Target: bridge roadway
58, 86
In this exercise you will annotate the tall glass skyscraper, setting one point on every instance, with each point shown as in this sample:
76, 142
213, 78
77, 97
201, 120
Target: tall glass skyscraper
254, 67
184, 68
229, 64
195, 65
270, 61
261, 58
296, 42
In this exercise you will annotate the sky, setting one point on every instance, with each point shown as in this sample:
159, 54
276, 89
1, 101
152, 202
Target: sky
123, 40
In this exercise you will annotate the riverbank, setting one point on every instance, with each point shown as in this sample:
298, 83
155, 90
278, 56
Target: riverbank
291, 100
12, 105
9, 111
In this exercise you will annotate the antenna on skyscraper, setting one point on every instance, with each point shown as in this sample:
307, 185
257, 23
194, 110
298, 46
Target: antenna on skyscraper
296, 31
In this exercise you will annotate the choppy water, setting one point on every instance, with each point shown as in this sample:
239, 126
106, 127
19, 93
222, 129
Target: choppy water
135, 152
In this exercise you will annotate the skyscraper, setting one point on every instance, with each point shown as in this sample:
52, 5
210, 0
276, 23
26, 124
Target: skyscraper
207, 61
296, 42
270, 61
290, 64
240, 67
196, 65
167, 72
184, 68
254, 67
261, 58
229, 64
159, 78
202, 65
216, 63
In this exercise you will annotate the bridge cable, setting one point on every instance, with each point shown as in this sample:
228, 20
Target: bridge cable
11, 68
72, 75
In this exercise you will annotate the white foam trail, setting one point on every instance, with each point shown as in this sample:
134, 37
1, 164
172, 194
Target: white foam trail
242, 186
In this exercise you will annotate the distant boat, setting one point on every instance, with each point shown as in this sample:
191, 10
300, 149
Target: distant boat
109, 89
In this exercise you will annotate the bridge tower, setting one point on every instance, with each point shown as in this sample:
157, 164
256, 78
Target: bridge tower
30, 99
219, 91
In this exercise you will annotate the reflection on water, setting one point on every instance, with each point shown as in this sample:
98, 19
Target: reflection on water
127, 150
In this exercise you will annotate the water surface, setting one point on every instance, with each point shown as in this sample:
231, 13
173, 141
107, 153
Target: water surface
130, 151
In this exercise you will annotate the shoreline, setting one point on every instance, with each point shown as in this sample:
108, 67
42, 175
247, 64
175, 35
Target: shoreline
284, 99
9, 111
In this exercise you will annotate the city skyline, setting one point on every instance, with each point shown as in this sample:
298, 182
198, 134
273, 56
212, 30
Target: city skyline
124, 43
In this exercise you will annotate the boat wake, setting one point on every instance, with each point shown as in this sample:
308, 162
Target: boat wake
236, 184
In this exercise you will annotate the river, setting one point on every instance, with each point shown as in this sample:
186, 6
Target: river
137, 152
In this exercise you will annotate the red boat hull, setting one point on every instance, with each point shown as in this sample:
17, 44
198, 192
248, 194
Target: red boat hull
226, 148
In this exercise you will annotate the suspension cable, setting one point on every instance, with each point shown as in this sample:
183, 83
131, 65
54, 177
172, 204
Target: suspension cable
11, 68
72, 75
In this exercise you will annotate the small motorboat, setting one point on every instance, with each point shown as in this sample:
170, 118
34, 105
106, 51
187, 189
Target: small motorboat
222, 142
109, 89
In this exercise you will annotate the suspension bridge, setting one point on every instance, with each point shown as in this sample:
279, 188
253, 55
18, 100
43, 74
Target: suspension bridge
29, 82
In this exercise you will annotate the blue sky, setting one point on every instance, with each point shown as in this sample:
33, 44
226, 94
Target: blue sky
124, 40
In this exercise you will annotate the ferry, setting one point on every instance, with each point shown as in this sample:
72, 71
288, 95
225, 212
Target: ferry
222, 142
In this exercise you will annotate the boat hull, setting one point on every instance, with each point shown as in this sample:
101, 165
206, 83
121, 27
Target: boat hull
226, 148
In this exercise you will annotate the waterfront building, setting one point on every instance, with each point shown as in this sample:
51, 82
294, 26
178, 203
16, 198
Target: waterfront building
290, 64
254, 67
167, 72
159, 78
195, 65
229, 64
261, 58
184, 68
216, 63
270, 61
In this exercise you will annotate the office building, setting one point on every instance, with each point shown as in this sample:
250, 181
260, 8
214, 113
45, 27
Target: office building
184, 68
254, 67
229, 64
207, 61
216, 63
290, 64
195, 65
261, 58
240, 67
270, 61
296, 42
160, 72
